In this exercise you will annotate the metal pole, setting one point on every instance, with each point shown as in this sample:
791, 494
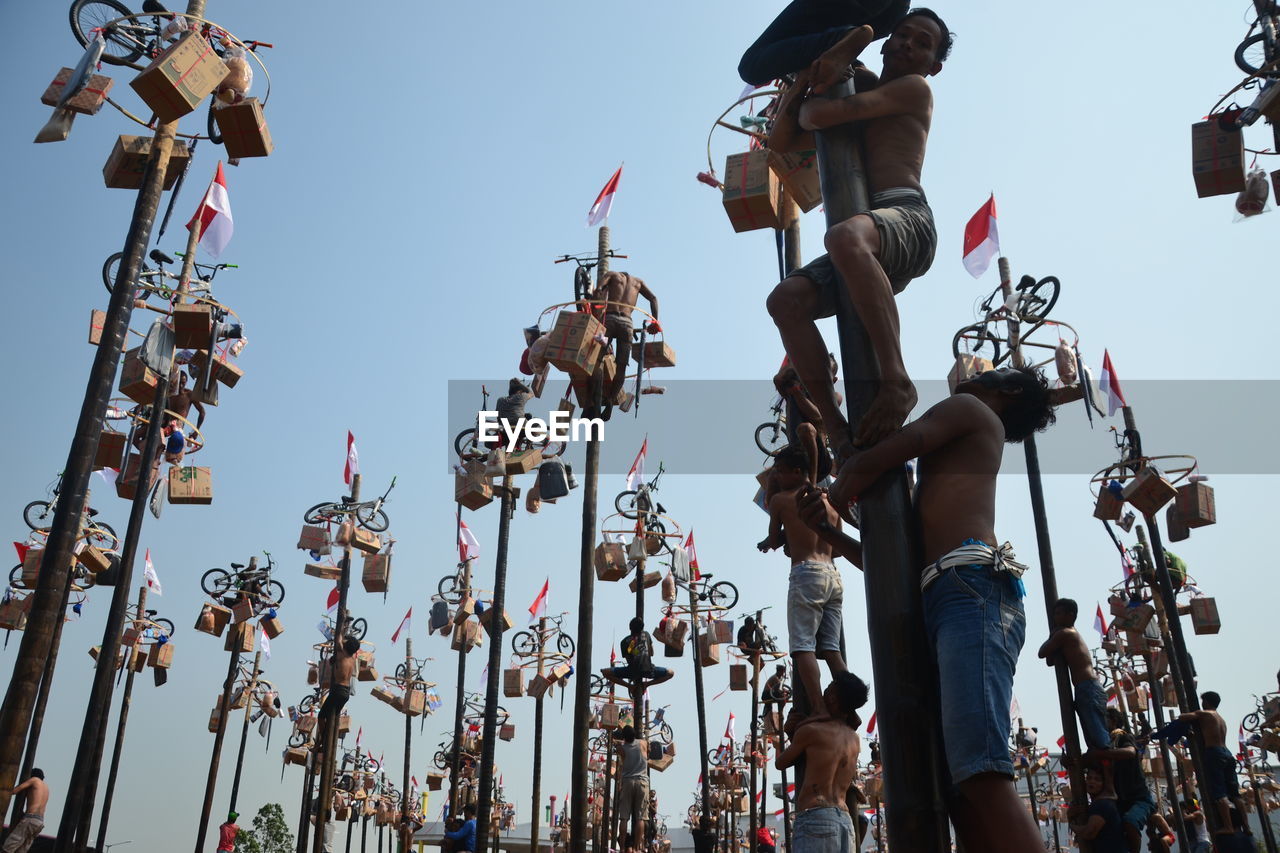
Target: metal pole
455, 772
903, 666
125, 701
244, 729
497, 614
408, 735
224, 705
537, 742
329, 733
586, 613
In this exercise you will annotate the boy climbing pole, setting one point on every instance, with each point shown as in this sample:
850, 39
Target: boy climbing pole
1090, 698
972, 589
804, 421
877, 253
619, 291
1220, 764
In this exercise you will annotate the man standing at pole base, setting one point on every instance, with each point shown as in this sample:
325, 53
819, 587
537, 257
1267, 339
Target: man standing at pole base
877, 253
25, 831
972, 589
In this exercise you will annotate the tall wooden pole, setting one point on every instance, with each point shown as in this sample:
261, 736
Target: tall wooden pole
904, 667
586, 612
329, 732
224, 707
244, 729
497, 624
308, 782
701, 703
535, 815
126, 701
455, 764
411, 675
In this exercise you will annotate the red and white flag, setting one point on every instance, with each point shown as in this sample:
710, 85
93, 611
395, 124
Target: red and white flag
414, 781
600, 210
149, 573
693, 555
1062, 742
728, 729
353, 460
404, 624
871, 723
331, 604
1110, 385
22, 550
265, 644
213, 216
359, 735
468, 544
539, 607
636, 475
981, 239
1100, 623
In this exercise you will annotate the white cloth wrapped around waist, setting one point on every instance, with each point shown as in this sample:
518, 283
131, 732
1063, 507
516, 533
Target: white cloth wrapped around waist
974, 553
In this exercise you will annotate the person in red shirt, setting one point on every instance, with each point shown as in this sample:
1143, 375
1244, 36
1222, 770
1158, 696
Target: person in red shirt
766, 840
227, 834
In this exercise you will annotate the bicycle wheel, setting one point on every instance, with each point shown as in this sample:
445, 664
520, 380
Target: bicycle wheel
449, 590
1251, 722
597, 681
1035, 303
38, 515
978, 342
771, 438
308, 704
723, 594
299, 739
165, 625
375, 522
275, 591
441, 760
15, 577
216, 582
358, 629
402, 673
101, 535
714, 756
89, 15
565, 645
524, 643
212, 127
466, 443
1251, 56
625, 504
320, 513
664, 734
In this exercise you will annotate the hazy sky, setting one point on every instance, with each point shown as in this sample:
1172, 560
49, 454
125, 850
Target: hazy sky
432, 160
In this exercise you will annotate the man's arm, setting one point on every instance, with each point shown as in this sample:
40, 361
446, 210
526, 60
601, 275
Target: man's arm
786, 133
200, 413
24, 786
952, 419
903, 96
795, 748
776, 537
1052, 645
653, 300
820, 517
1090, 829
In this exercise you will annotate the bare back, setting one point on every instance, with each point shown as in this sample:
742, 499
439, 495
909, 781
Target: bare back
802, 542
620, 290
1213, 729
831, 761
956, 496
37, 793
343, 668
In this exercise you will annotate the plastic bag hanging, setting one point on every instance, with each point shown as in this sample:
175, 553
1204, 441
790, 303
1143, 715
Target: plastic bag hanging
1252, 200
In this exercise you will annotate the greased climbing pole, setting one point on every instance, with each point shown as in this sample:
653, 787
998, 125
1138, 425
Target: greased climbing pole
906, 681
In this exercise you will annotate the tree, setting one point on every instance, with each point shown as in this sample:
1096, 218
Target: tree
270, 833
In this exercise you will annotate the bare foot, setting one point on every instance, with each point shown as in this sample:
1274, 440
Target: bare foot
888, 412
832, 68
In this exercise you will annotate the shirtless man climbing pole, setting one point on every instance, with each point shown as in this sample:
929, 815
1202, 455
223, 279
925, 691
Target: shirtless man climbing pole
24, 833
877, 253
830, 747
1066, 644
619, 291
1220, 763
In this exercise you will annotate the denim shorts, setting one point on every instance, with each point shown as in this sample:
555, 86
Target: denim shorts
1139, 813
1220, 768
1091, 708
976, 625
823, 830
815, 596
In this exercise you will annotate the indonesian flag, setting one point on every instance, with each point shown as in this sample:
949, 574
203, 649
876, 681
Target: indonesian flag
539, 607
871, 723
728, 729
414, 781
1110, 384
213, 216
331, 604
636, 475
600, 210
149, 573
353, 460
468, 544
1100, 623
359, 735
981, 239
693, 555
472, 728
404, 623
266, 644
1062, 742
22, 550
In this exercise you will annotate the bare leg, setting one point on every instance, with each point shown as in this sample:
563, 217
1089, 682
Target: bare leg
835, 662
832, 66
1224, 817
809, 440
854, 245
990, 817
793, 304
806, 664
621, 357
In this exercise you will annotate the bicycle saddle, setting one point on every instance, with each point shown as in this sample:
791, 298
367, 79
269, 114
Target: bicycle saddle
661, 509
92, 512
151, 613
154, 7
237, 565
156, 255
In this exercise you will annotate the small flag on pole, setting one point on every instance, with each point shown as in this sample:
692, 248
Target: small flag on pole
468, 545
266, 644
981, 239
600, 210
728, 729
353, 460
539, 607
149, 572
693, 555
1100, 623
404, 624
359, 735
636, 475
1110, 384
214, 216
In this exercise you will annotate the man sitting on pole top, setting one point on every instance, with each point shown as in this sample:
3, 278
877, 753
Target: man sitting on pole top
876, 253
619, 291
972, 590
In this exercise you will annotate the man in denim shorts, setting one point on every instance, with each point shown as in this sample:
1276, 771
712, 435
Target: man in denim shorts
873, 255
972, 590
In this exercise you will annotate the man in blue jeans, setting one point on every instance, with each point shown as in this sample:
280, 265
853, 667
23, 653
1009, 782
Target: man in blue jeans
1219, 762
1133, 796
808, 29
972, 590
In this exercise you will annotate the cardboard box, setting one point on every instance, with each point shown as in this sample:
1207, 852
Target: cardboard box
192, 326
415, 702
97, 321
1217, 159
1204, 615
242, 609
244, 129
466, 607
13, 614
139, 660
513, 682
1175, 527
127, 163
190, 485
344, 724
315, 539
737, 676
1148, 492
610, 716
798, 171
110, 452
95, 651
376, 576
87, 101
677, 631
137, 381
651, 579
524, 461
751, 191
572, 344
272, 627
655, 353
722, 631
358, 537
435, 781
559, 672
507, 731
966, 367
708, 650
325, 571
127, 481
610, 561
1109, 506
224, 371
213, 619
538, 686
466, 636
471, 487
1196, 505
382, 694
180, 78
239, 638
93, 559
486, 619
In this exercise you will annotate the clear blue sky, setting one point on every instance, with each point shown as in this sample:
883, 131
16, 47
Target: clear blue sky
430, 163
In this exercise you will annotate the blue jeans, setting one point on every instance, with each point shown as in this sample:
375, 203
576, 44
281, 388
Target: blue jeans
807, 28
815, 600
1091, 708
976, 625
823, 830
